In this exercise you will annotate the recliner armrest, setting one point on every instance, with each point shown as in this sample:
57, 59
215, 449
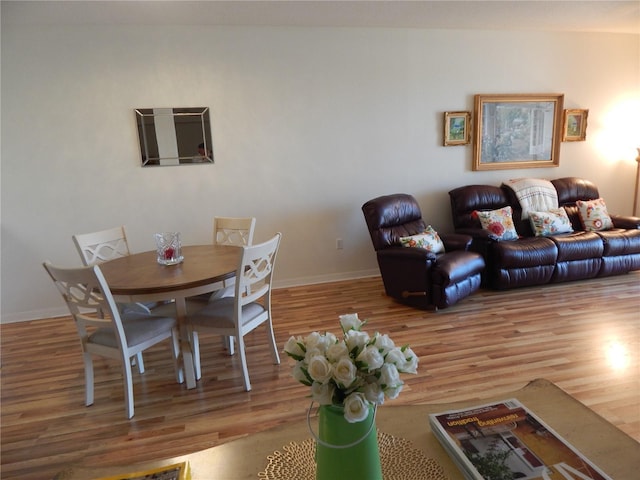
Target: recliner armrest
626, 221
481, 240
475, 233
456, 241
406, 254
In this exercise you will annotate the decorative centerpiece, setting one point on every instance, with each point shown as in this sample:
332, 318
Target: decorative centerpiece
349, 379
169, 248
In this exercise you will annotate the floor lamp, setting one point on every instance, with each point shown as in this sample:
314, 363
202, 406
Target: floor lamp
635, 193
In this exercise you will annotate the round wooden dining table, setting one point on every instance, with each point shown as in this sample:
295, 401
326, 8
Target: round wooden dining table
140, 278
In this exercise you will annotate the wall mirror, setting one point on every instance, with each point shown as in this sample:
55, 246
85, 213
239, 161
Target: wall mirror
174, 136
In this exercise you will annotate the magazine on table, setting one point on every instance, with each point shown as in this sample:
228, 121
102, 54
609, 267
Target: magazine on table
177, 471
505, 440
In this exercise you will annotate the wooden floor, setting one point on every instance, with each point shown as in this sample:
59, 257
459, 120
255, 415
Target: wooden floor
584, 336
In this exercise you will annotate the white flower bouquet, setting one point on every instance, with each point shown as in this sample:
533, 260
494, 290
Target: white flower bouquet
357, 372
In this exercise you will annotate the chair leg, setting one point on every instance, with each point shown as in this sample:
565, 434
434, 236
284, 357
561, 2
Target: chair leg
88, 378
140, 362
195, 346
243, 360
175, 349
272, 341
229, 344
128, 386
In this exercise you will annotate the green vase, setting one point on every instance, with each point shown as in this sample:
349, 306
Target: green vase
346, 451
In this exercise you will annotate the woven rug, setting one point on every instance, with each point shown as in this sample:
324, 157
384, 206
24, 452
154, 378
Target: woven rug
398, 458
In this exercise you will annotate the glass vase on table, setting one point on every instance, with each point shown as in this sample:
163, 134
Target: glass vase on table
169, 248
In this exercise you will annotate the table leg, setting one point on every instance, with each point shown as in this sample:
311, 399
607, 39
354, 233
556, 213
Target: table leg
185, 344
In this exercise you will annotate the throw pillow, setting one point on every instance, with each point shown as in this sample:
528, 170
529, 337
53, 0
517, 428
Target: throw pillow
429, 240
550, 222
593, 215
499, 223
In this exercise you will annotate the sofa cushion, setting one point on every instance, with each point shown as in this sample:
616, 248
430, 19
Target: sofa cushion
429, 240
620, 242
550, 222
572, 189
578, 246
466, 200
594, 215
528, 252
499, 223
574, 217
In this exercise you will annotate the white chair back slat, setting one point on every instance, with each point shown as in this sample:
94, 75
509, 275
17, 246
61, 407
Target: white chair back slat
233, 230
98, 247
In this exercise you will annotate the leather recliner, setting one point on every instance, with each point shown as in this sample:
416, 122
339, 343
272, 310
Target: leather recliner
415, 276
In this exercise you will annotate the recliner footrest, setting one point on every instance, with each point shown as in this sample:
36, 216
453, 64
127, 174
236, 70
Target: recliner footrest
453, 267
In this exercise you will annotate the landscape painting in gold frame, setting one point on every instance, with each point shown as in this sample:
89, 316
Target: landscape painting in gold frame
457, 128
574, 127
517, 131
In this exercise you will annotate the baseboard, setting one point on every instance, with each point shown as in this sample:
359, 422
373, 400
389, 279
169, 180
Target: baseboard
313, 280
34, 315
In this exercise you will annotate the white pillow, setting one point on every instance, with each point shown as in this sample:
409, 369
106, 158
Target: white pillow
429, 240
550, 222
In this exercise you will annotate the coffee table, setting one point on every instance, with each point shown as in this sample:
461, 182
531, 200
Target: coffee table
616, 453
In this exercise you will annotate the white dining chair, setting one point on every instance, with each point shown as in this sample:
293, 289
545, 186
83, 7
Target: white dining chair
102, 246
236, 231
248, 308
232, 231
104, 331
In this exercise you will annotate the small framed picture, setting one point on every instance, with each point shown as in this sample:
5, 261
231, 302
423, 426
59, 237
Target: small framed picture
575, 125
457, 128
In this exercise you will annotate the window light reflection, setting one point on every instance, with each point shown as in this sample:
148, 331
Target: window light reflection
617, 355
616, 135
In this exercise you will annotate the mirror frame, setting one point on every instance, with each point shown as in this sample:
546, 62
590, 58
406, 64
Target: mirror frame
173, 136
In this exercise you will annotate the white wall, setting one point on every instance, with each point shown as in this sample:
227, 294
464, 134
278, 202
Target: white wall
308, 124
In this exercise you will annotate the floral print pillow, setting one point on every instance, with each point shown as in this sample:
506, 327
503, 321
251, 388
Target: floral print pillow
429, 240
593, 215
499, 223
550, 222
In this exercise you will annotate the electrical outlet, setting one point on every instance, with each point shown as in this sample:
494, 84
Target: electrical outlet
339, 244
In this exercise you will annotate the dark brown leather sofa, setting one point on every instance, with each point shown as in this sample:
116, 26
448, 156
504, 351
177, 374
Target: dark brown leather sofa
415, 276
536, 260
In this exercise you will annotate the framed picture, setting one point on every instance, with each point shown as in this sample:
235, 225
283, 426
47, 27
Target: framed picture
457, 128
517, 131
574, 127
